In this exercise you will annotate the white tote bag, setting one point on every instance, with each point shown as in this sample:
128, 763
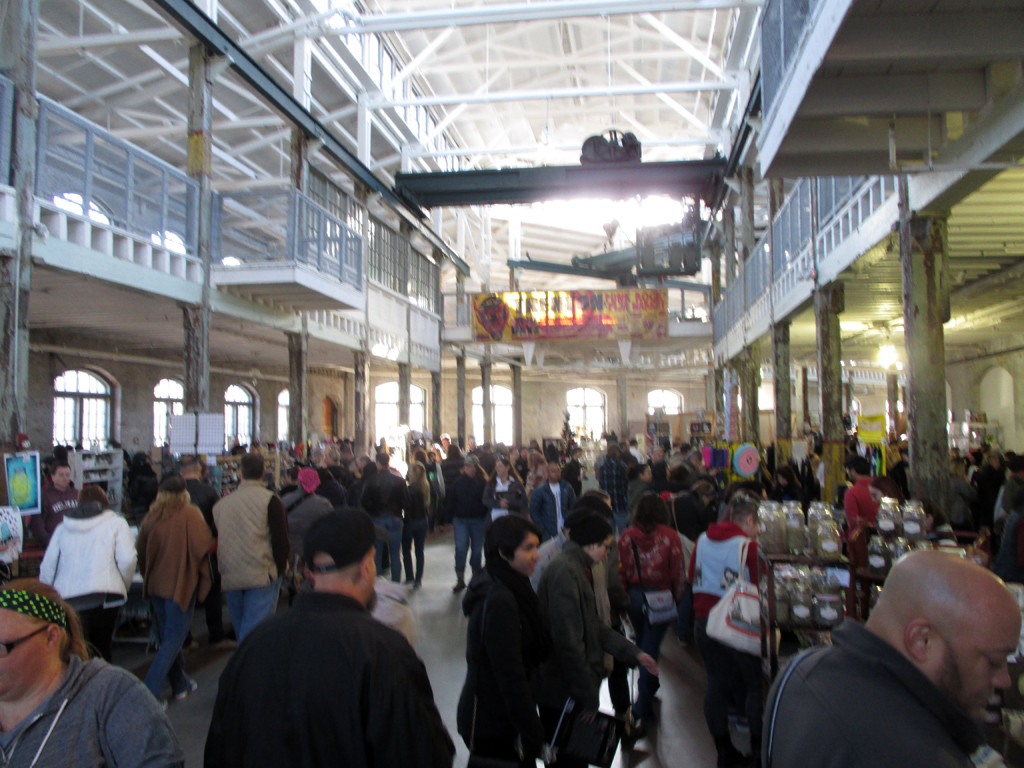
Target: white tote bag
735, 620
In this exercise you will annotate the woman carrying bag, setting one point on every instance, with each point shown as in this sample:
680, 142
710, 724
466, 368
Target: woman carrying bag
650, 560
506, 640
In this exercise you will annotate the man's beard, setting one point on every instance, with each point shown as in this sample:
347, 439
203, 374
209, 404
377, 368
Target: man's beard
372, 602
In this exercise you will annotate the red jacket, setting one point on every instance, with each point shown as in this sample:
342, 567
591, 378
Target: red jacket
661, 559
702, 602
861, 509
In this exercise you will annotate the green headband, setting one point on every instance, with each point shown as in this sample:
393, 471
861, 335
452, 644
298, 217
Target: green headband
34, 605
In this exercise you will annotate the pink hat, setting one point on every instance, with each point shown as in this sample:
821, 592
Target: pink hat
309, 479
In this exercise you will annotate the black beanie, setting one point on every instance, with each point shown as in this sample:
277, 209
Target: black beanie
592, 529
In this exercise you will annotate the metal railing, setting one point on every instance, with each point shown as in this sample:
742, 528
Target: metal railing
6, 128
85, 170
784, 256
285, 225
783, 25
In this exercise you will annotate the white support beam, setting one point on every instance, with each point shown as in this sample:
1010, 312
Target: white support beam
518, 12
51, 45
685, 46
665, 99
882, 95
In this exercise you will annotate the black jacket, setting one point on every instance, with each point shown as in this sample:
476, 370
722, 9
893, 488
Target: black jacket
385, 495
324, 683
465, 497
498, 680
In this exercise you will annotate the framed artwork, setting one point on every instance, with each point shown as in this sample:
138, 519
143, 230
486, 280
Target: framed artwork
23, 482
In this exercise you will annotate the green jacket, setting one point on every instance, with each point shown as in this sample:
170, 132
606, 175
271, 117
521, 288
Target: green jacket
576, 665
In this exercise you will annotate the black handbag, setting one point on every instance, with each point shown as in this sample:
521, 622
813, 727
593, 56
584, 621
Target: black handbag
479, 761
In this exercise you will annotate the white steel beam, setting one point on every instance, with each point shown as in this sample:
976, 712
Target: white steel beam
56, 44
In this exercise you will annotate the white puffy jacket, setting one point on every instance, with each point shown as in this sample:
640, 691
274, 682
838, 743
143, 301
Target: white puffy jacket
90, 555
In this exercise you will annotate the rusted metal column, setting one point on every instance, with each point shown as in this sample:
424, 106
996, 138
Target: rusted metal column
298, 384
435, 405
719, 400
892, 387
18, 30
805, 405
517, 404
749, 381
716, 272
829, 302
200, 155
783, 398
923, 253
488, 408
460, 396
299, 161
732, 403
848, 394
404, 385
361, 399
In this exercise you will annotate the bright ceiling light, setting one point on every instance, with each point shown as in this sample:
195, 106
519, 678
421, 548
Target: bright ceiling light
886, 355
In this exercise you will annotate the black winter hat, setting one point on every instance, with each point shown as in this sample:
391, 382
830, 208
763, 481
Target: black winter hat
592, 529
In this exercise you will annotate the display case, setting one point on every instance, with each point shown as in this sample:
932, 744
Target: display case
102, 468
229, 472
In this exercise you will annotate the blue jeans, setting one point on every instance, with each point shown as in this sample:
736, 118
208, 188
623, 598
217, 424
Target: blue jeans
172, 626
467, 529
248, 607
393, 525
621, 519
413, 532
648, 639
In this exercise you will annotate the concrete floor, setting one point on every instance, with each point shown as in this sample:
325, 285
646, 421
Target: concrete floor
680, 740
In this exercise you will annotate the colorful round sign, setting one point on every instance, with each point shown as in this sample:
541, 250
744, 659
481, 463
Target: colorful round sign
744, 460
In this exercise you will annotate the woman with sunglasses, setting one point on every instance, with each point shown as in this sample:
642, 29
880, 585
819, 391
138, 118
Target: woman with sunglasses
57, 707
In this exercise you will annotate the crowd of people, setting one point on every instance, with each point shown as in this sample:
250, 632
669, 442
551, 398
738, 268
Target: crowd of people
558, 600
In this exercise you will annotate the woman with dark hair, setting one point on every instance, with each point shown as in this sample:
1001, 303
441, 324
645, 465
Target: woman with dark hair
506, 641
504, 493
650, 558
91, 561
787, 486
173, 543
57, 707
414, 526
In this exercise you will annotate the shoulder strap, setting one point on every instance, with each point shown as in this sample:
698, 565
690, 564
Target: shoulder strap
744, 545
639, 570
775, 703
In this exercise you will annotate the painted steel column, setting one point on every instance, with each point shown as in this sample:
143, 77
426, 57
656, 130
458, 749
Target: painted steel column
460, 397
517, 404
716, 272
747, 232
749, 381
435, 405
848, 394
200, 155
461, 301
829, 301
298, 384
892, 387
923, 253
623, 404
18, 31
488, 408
719, 400
361, 399
729, 233
783, 394
404, 397
805, 405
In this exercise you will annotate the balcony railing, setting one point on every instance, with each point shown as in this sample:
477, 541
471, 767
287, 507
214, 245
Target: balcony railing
784, 256
85, 171
783, 25
253, 228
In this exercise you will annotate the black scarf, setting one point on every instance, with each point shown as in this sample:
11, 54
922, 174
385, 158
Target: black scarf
536, 639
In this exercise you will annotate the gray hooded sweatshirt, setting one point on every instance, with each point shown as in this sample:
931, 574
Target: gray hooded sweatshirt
100, 715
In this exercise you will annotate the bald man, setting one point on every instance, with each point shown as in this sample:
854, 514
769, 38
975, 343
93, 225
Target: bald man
909, 688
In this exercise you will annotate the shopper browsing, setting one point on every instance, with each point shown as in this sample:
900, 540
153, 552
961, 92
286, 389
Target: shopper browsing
910, 686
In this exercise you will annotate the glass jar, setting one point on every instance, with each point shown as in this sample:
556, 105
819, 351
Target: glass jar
888, 520
829, 540
771, 528
879, 556
817, 513
915, 524
796, 528
801, 600
782, 602
899, 547
827, 610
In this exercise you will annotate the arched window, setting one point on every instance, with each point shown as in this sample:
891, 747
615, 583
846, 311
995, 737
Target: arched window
670, 402
168, 400
385, 409
81, 408
238, 416
586, 410
502, 416
284, 399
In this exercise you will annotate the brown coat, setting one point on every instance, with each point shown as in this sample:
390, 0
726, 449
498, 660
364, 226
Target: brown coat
174, 555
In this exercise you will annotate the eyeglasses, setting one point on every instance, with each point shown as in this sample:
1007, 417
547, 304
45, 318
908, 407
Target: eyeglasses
8, 647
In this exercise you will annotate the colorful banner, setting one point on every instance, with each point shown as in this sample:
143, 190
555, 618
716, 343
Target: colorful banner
628, 313
23, 486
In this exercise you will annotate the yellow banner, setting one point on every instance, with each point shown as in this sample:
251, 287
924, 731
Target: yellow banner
628, 313
871, 429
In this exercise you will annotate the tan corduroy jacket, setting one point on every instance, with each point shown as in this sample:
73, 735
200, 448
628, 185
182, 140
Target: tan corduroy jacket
174, 556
